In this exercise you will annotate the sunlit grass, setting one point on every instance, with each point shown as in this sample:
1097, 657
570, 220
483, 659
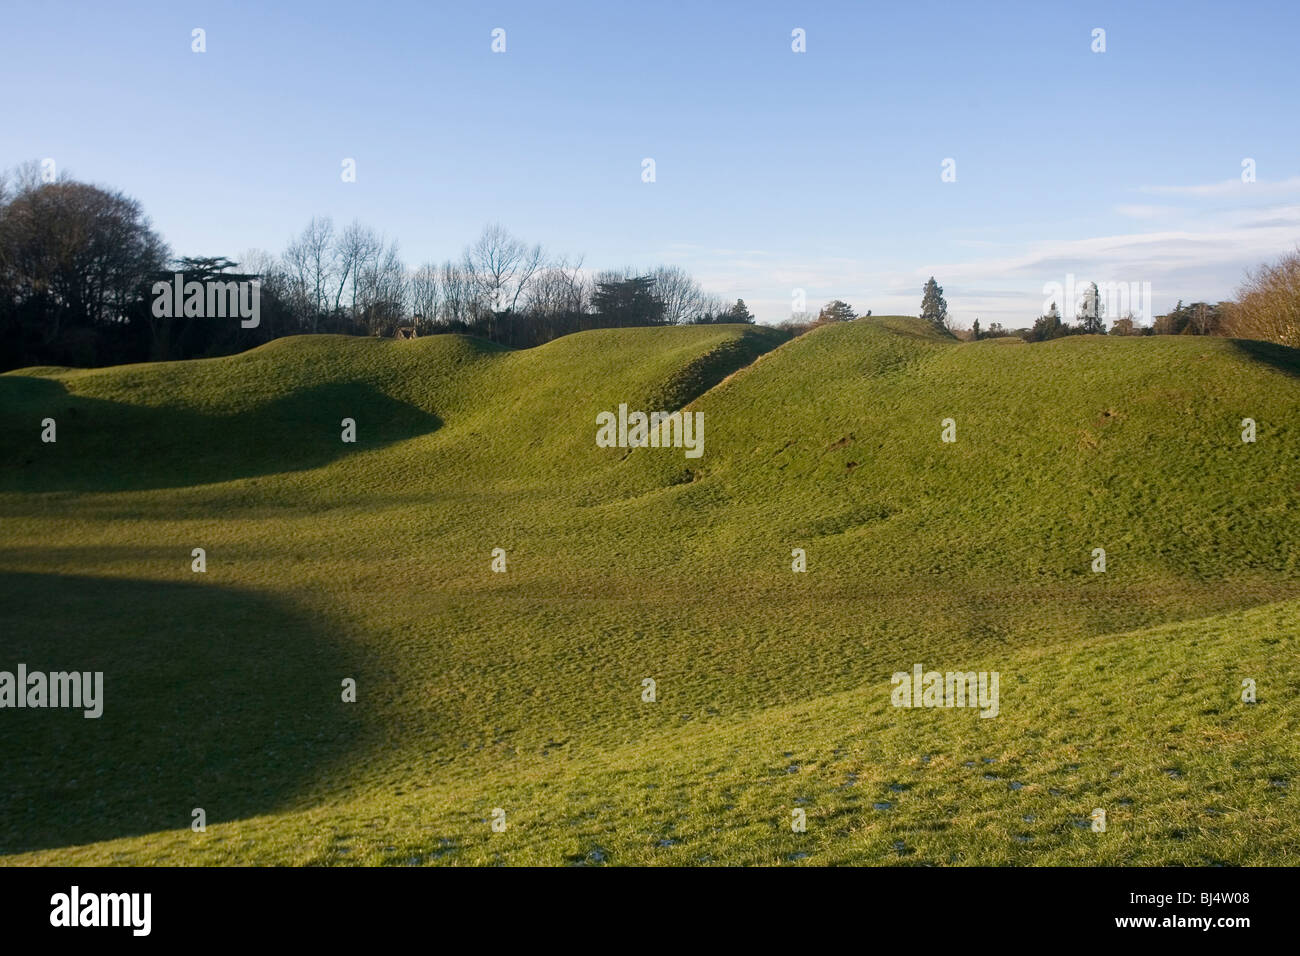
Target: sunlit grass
522, 690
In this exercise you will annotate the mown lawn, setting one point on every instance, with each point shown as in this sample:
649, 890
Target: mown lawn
522, 690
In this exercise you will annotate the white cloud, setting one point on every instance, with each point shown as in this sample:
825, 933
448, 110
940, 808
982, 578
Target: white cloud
1143, 212
1229, 187
1205, 261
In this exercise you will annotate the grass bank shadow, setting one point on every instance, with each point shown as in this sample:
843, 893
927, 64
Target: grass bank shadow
1281, 357
212, 697
112, 446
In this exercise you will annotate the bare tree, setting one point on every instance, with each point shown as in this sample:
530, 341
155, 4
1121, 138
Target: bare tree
309, 261
684, 301
424, 294
379, 292
1268, 303
1125, 325
355, 247
26, 177
261, 263
558, 289
1204, 319
501, 266
71, 252
458, 296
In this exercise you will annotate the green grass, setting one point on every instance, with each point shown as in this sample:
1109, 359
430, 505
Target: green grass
523, 690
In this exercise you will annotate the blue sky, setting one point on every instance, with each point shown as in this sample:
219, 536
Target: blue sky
775, 170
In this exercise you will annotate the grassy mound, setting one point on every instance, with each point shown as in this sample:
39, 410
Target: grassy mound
523, 690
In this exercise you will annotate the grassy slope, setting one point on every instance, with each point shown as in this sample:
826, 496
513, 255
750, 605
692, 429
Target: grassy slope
523, 690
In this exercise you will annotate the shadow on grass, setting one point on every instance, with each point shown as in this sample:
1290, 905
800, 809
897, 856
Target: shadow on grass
1279, 356
112, 446
212, 698
708, 370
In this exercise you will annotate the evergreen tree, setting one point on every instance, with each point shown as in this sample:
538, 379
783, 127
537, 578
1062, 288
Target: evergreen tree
933, 307
836, 311
740, 313
630, 301
1090, 317
1049, 326
977, 330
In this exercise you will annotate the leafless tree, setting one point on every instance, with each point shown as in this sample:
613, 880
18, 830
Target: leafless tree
501, 267
558, 289
1203, 319
684, 301
379, 291
309, 261
354, 249
424, 293
458, 294
26, 177
261, 263
74, 252
1268, 303
1125, 325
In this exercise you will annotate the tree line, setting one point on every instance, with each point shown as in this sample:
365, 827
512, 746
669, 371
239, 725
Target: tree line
78, 263
500, 288
1267, 308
